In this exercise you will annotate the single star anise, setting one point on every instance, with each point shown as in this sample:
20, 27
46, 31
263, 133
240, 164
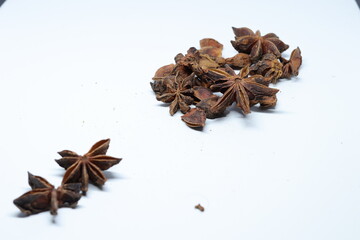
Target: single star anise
246, 41
178, 93
87, 167
44, 196
241, 89
291, 66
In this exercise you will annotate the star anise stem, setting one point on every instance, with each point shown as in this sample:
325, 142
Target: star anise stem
54, 203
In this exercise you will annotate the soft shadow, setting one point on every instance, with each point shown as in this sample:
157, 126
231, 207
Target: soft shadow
93, 188
264, 110
53, 219
271, 110
20, 215
163, 104
235, 108
199, 129
60, 173
113, 175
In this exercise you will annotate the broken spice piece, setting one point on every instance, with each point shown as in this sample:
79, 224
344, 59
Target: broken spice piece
200, 208
45, 197
164, 71
195, 118
211, 47
238, 61
202, 93
207, 104
291, 66
269, 67
88, 167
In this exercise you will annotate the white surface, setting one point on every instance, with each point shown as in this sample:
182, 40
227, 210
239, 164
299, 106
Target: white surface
75, 72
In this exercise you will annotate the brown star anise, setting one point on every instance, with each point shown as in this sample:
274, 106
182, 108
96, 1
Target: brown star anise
238, 61
87, 167
44, 196
246, 41
211, 47
291, 66
269, 67
195, 118
241, 89
178, 93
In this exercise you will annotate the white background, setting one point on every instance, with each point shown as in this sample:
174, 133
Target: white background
74, 72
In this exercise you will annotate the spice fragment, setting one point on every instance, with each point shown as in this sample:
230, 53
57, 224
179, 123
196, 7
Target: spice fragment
200, 208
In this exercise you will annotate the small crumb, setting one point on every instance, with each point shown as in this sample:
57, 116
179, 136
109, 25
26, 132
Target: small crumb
201, 208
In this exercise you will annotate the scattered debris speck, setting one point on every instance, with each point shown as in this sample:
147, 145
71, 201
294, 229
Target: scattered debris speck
200, 208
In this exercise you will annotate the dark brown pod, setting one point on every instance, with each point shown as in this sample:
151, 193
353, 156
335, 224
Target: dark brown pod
195, 118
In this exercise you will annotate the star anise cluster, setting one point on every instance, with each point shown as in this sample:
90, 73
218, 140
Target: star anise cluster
80, 171
203, 84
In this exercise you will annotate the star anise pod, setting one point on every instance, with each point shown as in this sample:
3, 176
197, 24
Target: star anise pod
238, 61
45, 197
207, 99
87, 167
207, 105
291, 66
164, 71
246, 41
196, 62
178, 93
195, 118
211, 47
269, 67
241, 89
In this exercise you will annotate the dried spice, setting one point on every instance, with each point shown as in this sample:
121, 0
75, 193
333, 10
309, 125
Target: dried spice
269, 67
211, 47
213, 85
200, 208
291, 66
45, 197
238, 61
164, 71
88, 167
80, 170
207, 105
246, 41
178, 93
241, 89
195, 118
202, 93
